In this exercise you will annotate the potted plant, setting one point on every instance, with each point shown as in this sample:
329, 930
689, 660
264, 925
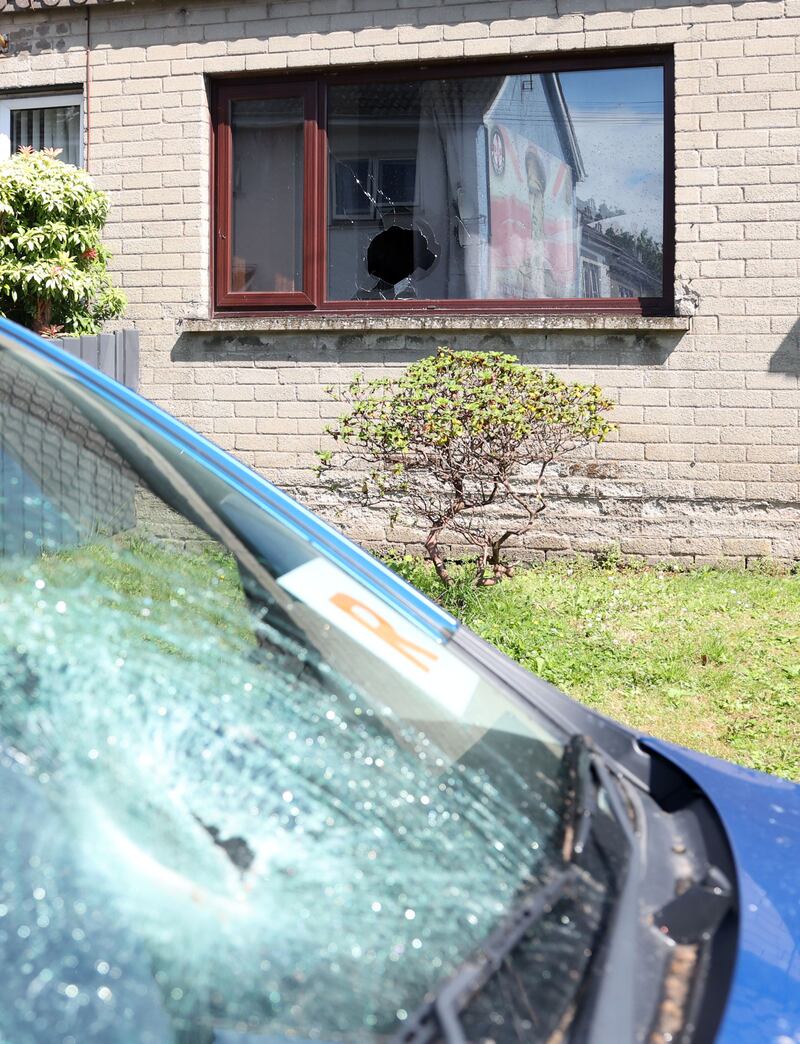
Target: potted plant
53, 267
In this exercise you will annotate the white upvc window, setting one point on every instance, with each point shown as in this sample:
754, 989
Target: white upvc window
44, 121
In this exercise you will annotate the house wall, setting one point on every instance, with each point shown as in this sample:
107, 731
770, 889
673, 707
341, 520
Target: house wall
705, 462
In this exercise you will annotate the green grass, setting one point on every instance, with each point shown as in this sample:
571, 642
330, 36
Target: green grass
136, 567
130, 575
709, 659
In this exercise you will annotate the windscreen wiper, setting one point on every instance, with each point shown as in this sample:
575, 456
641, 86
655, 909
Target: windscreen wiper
580, 797
439, 1018
613, 1014
585, 772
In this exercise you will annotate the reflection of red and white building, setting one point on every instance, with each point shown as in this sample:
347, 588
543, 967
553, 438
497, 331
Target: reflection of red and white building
540, 243
534, 163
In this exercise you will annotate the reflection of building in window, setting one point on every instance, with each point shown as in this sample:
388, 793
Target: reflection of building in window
352, 191
612, 264
534, 165
483, 167
374, 189
592, 278
364, 186
474, 176
395, 180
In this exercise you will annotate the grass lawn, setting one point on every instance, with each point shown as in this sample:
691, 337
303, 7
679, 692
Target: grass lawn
709, 659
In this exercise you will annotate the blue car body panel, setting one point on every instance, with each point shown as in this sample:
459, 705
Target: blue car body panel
760, 814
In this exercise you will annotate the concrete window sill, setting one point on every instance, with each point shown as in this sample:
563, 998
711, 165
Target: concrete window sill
639, 324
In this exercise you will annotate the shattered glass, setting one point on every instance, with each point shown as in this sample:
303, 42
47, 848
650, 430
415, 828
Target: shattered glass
532, 996
225, 819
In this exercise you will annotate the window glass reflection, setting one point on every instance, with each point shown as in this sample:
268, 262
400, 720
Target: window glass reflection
267, 232
48, 127
497, 188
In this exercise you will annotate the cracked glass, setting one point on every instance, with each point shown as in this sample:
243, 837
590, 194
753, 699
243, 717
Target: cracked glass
521, 187
244, 799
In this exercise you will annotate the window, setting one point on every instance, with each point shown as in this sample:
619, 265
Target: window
361, 186
538, 186
591, 279
43, 122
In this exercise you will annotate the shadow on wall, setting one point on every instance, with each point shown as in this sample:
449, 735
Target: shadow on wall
181, 23
552, 350
787, 358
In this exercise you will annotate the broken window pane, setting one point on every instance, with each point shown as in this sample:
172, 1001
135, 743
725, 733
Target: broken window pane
498, 187
242, 797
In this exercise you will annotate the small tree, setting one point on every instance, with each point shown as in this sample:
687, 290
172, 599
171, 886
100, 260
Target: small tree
461, 442
52, 264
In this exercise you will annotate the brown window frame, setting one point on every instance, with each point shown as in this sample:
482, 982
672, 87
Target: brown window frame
313, 85
226, 297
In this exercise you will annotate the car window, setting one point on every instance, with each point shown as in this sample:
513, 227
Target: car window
242, 796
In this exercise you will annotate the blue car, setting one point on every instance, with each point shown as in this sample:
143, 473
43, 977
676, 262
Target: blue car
254, 788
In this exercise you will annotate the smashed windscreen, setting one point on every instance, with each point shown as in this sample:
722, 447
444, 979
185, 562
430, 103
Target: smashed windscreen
242, 799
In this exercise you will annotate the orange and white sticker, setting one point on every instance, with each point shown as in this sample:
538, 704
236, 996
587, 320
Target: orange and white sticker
381, 630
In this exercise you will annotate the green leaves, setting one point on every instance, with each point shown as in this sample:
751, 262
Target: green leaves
52, 263
461, 441
453, 396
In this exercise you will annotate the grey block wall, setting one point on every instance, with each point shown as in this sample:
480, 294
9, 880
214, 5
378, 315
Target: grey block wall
705, 463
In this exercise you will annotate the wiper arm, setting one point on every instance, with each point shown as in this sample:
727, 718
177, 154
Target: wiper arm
584, 770
580, 797
613, 1015
440, 1017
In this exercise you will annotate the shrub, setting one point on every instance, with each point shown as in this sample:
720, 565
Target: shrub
460, 443
52, 264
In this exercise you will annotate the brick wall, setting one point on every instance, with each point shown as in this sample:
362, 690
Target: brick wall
68, 463
705, 463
